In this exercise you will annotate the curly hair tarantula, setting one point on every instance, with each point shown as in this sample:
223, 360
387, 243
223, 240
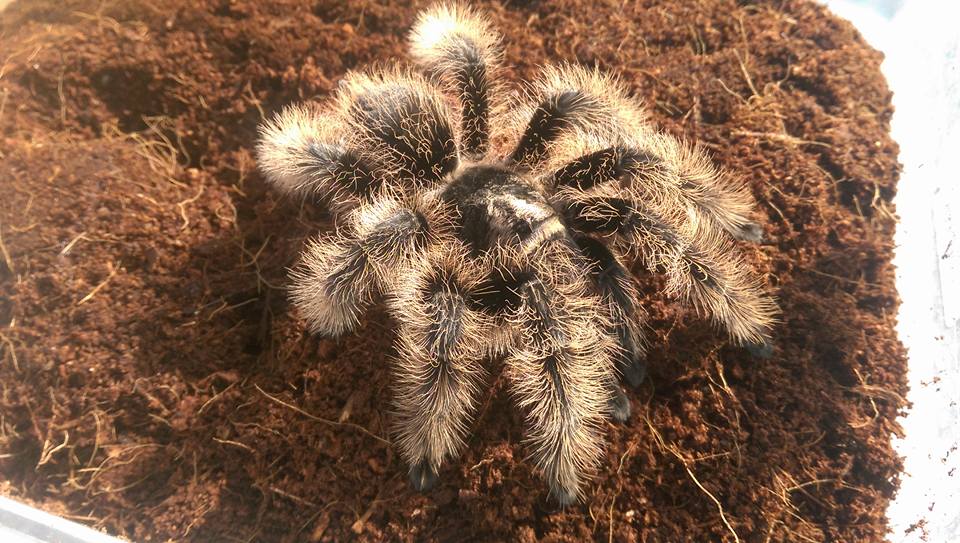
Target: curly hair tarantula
505, 232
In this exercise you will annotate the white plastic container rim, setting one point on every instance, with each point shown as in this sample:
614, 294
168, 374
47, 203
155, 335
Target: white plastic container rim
21, 523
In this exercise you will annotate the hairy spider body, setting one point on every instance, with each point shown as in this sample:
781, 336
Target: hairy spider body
497, 207
506, 232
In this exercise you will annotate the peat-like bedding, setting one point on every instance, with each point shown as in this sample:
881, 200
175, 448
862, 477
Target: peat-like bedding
156, 383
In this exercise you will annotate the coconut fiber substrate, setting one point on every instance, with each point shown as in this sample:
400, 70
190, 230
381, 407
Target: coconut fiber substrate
156, 383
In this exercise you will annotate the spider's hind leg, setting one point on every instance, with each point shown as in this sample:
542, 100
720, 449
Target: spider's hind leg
560, 370
619, 293
438, 370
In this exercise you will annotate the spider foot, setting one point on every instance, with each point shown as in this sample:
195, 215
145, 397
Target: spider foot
620, 405
751, 232
423, 476
326, 336
564, 497
633, 369
761, 350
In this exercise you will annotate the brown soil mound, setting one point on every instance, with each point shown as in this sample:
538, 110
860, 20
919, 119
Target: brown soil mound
155, 383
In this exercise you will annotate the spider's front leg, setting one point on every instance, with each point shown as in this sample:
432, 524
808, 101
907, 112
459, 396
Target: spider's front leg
568, 99
304, 152
660, 170
560, 369
456, 45
587, 120
388, 132
402, 120
339, 274
438, 367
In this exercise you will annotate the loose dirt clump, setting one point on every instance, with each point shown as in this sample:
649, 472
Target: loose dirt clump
154, 381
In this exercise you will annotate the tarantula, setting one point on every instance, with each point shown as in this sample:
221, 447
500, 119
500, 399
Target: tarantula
506, 231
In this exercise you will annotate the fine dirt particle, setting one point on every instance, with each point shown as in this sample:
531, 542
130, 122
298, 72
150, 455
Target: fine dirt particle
154, 381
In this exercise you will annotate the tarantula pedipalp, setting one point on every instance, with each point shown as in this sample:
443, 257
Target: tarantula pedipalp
514, 250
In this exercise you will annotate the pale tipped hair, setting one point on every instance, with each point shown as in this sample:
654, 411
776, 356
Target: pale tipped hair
340, 273
704, 269
611, 109
457, 46
565, 408
718, 195
438, 25
447, 259
390, 89
328, 307
735, 298
392, 262
683, 178
437, 388
701, 264
542, 289
284, 153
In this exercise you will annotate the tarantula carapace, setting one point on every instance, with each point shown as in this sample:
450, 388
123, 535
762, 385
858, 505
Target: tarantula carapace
498, 231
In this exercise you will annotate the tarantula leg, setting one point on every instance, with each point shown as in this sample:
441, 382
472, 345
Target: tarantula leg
403, 120
338, 275
561, 372
422, 475
303, 151
715, 279
620, 408
567, 98
457, 45
438, 367
608, 165
761, 350
666, 174
713, 192
333, 285
700, 267
555, 113
619, 293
